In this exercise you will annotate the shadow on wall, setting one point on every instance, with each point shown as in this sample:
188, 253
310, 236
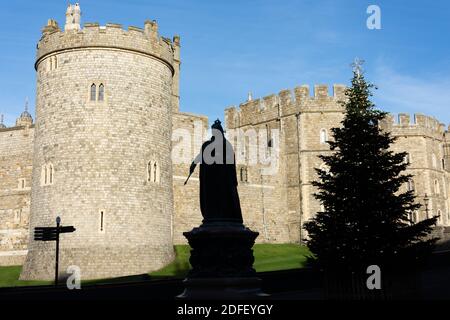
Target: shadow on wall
443, 244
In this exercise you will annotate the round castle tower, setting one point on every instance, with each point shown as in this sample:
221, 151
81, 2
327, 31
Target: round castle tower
102, 149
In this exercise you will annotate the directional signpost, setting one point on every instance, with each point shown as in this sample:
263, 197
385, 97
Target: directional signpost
52, 234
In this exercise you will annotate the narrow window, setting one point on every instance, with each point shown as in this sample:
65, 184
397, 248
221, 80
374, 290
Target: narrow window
102, 221
411, 185
55, 62
155, 172
42, 175
149, 171
443, 164
436, 187
414, 217
18, 216
93, 92
244, 174
323, 136
101, 92
21, 184
50, 178
410, 217
45, 176
269, 138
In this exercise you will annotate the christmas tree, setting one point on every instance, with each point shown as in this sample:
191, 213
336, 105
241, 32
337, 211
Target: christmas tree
366, 217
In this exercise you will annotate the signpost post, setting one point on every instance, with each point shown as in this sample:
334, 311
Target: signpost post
52, 234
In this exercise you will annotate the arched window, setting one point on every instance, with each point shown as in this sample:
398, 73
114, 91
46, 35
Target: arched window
434, 161
47, 175
101, 92
437, 189
55, 62
153, 172
323, 136
93, 92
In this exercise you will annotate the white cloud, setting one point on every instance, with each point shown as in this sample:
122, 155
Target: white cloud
405, 93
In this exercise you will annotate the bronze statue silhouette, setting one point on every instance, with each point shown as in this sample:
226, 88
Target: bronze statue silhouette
219, 198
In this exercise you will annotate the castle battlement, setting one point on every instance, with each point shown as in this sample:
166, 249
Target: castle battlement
141, 40
287, 102
418, 123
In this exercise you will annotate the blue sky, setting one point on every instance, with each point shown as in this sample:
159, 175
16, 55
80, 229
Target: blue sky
232, 47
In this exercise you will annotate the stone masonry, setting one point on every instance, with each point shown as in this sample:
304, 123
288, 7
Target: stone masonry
102, 149
304, 124
110, 152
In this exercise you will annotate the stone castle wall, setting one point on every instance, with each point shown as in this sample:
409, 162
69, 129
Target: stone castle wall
272, 204
16, 154
101, 156
425, 140
301, 119
189, 132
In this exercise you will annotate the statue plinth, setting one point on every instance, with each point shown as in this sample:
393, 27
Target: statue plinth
222, 263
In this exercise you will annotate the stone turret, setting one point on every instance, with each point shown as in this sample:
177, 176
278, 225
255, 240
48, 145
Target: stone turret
102, 149
73, 17
25, 118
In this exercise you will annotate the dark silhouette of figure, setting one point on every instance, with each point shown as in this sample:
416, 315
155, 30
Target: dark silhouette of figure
219, 198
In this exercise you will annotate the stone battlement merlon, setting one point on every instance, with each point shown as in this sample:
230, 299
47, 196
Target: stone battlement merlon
141, 40
418, 123
288, 102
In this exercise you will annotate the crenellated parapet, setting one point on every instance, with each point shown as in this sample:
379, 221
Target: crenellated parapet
144, 41
405, 124
286, 103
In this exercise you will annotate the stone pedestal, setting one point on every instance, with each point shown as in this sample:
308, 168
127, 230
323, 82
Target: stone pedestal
222, 263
